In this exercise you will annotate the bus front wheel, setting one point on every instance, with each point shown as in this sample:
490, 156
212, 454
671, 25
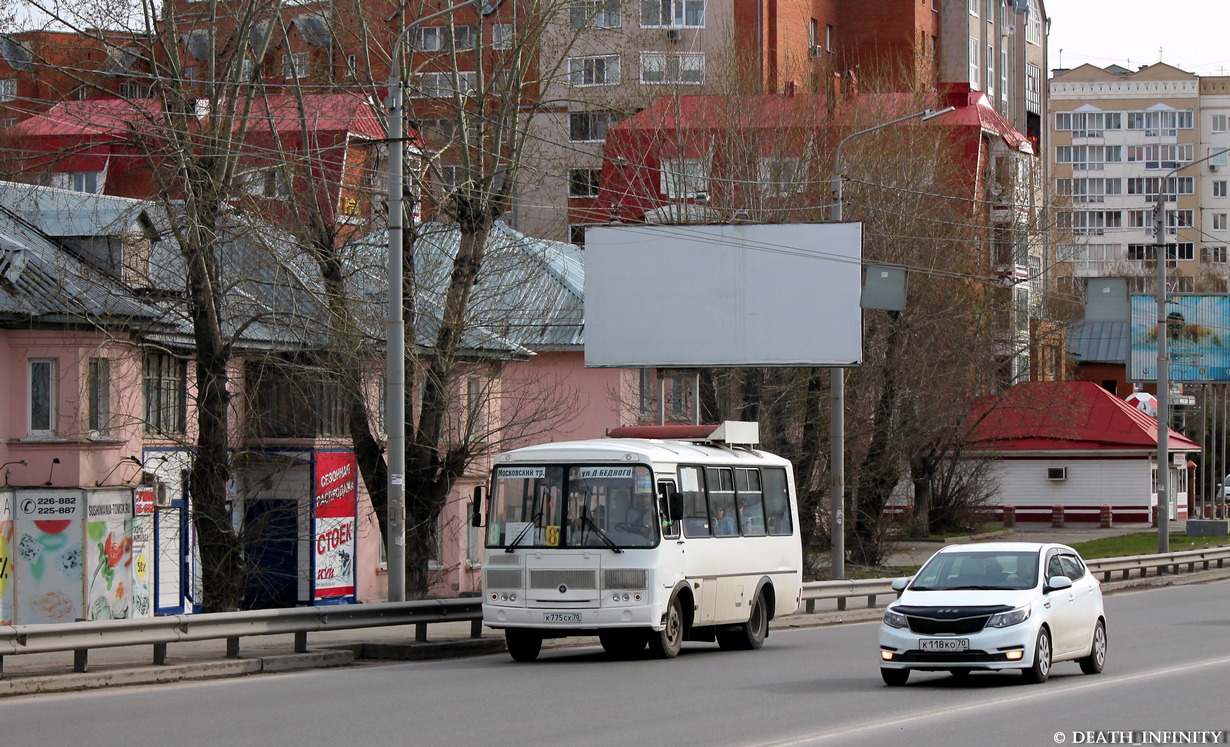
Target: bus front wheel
665, 644
751, 634
523, 645
622, 644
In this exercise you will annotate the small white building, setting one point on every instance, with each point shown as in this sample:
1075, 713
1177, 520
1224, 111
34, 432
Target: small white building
1074, 444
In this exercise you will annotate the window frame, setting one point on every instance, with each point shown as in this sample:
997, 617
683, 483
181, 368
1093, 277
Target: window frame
676, 184
598, 122
50, 391
8, 89
592, 181
672, 14
677, 58
165, 376
98, 397
586, 68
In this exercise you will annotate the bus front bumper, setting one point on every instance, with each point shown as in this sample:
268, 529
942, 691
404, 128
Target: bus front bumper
577, 620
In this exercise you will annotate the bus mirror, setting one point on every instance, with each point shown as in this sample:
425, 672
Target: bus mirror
476, 517
671, 502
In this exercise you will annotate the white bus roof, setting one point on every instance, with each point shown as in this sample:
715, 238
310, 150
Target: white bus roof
637, 450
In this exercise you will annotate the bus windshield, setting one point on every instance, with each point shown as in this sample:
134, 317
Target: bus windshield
573, 506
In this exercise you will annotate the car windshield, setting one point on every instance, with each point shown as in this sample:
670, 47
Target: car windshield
979, 570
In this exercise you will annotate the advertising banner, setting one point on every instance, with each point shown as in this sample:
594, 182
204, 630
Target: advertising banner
50, 577
333, 525
6, 557
108, 546
142, 551
1197, 337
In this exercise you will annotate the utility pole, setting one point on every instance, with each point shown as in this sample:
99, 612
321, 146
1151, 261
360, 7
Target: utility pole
837, 376
1163, 374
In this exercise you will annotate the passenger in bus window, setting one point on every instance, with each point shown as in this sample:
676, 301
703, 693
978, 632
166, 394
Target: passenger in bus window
723, 523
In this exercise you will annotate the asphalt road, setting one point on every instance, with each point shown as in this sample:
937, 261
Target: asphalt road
1167, 670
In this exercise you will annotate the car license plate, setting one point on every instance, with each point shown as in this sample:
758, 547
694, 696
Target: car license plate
561, 617
944, 645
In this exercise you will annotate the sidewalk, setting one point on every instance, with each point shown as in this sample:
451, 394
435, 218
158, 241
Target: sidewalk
131, 665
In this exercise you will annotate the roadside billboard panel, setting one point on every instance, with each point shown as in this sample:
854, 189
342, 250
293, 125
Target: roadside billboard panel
1197, 337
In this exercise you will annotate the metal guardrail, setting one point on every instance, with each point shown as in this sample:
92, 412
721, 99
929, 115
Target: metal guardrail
80, 637
1173, 562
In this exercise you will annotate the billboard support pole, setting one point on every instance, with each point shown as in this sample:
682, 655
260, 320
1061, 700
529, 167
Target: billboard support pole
1163, 374
837, 376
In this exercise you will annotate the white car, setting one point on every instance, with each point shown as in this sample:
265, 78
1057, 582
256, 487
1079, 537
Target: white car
1000, 605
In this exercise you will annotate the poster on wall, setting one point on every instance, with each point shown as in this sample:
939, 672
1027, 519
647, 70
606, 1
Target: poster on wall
1197, 337
47, 554
6, 558
142, 551
108, 548
333, 525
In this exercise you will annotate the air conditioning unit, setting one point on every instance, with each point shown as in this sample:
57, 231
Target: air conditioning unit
1056, 473
161, 498
1213, 167
815, 51
674, 34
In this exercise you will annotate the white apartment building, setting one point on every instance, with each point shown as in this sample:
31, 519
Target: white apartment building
1115, 135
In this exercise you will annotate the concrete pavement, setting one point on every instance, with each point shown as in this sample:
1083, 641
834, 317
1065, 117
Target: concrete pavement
111, 667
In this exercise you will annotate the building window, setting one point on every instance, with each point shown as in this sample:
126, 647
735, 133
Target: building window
7, 122
42, 408
98, 395
576, 234
1160, 156
296, 65
990, 70
289, 399
590, 126
600, 70
164, 384
671, 67
991, 11
1033, 24
1216, 254
973, 7
8, 89
1219, 123
1219, 188
1033, 88
595, 14
1220, 156
1219, 221
828, 38
444, 38
269, 182
139, 90
1003, 75
1149, 187
664, 13
780, 176
89, 182
583, 182
502, 36
352, 65
974, 67
440, 85
684, 177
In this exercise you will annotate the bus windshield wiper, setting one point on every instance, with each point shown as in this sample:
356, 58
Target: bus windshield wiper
597, 530
534, 520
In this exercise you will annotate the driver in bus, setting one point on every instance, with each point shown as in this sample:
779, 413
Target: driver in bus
641, 515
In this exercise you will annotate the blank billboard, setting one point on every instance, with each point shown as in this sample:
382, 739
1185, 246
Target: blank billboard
1197, 340
723, 295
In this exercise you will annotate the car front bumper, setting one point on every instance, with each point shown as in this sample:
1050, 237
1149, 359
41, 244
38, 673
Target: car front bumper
990, 648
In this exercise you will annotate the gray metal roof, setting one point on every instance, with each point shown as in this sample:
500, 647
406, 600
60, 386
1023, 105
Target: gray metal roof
1099, 342
62, 213
16, 53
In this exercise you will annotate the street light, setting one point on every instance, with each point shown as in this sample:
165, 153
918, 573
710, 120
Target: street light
395, 327
837, 376
1163, 358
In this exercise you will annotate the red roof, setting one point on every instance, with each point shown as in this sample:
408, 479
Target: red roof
332, 112
1065, 415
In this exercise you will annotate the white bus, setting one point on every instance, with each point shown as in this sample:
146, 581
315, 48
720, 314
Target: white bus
651, 536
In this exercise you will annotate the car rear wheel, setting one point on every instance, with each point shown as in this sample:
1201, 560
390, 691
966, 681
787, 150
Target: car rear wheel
1041, 668
1093, 663
894, 677
751, 634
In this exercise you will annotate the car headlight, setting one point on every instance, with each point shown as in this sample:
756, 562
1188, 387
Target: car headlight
895, 619
1010, 618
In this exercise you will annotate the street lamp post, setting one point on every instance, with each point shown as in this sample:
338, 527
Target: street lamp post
1163, 357
837, 376
395, 326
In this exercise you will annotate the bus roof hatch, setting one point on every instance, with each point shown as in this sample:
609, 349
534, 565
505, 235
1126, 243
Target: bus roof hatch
730, 432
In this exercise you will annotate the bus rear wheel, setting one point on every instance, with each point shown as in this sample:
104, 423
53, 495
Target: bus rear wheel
622, 644
523, 645
750, 635
665, 644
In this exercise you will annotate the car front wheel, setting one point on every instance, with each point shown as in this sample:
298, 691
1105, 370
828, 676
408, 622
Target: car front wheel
894, 677
1041, 668
1093, 663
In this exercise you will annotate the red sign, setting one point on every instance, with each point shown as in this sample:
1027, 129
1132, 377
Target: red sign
334, 483
142, 501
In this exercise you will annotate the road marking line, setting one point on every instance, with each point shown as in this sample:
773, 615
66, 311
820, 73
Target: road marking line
1035, 694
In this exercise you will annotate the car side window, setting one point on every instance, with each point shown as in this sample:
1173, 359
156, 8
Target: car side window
1072, 566
1054, 567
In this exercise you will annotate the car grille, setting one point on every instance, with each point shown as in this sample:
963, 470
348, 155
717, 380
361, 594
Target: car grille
948, 620
963, 657
573, 579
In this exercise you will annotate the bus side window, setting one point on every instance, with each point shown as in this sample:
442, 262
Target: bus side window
721, 484
751, 502
695, 510
777, 501
671, 506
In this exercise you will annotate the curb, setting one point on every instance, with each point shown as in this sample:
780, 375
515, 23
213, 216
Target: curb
157, 675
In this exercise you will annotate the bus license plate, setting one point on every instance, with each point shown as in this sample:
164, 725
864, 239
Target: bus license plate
943, 645
561, 617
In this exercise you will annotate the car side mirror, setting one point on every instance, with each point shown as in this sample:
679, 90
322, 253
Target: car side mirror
899, 584
1058, 583
476, 516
